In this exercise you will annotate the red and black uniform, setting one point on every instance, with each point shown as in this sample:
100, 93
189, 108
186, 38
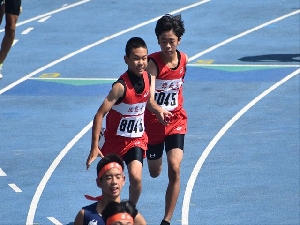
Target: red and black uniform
125, 127
168, 94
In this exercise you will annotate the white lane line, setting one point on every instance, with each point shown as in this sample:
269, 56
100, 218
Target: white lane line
243, 34
15, 42
68, 78
42, 184
54, 221
50, 13
15, 187
43, 19
26, 31
2, 173
208, 149
241, 65
93, 45
196, 170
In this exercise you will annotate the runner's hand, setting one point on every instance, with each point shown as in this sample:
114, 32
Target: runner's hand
94, 153
163, 115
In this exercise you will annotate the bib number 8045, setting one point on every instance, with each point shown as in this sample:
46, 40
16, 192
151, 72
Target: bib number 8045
165, 99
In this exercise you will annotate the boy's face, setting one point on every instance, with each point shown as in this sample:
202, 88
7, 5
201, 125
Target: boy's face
112, 182
168, 42
137, 61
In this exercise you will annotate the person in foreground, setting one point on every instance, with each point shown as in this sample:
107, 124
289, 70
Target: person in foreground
120, 213
110, 179
12, 10
125, 106
167, 68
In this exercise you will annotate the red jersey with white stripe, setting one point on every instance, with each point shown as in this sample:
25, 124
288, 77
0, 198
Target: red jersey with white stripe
125, 121
168, 94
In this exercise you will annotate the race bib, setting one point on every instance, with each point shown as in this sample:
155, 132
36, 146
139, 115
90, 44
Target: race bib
166, 93
131, 126
168, 100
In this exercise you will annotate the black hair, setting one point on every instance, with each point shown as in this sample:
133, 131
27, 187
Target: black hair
169, 22
113, 208
108, 159
134, 42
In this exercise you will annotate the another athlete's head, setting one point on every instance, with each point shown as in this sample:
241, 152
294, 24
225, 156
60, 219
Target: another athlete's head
110, 176
136, 55
169, 30
170, 23
119, 213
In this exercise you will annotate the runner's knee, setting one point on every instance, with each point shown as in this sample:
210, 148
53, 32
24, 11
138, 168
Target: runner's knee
155, 173
135, 180
174, 171
10, 31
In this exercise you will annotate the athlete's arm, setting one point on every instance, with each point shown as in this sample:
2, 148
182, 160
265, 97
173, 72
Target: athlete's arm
187, 59
79, 218
116, 92
151, 104
139, 220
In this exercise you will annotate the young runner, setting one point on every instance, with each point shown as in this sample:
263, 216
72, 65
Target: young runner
124, 108
167, 68
110, 179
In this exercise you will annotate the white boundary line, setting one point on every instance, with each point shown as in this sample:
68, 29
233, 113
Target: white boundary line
54, 221
69, 78
2, 173
241, 65
50, 13
15, 187
42, 184
10, 86
243, 34
196, 170
49, 172
208, 149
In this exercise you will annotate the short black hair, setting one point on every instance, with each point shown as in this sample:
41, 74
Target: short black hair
108, 159
134, 42
113, 208
169, 22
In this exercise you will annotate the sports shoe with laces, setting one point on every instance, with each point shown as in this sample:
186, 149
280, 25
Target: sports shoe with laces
1, 70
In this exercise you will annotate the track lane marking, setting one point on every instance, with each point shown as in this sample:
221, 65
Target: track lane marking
10, 86
208, 149
15, 187
196, 170
243, 34
243, 65
43, 19
26, 31
50, 13
54, 221
2, 173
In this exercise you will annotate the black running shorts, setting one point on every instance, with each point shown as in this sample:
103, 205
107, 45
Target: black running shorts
13, 7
